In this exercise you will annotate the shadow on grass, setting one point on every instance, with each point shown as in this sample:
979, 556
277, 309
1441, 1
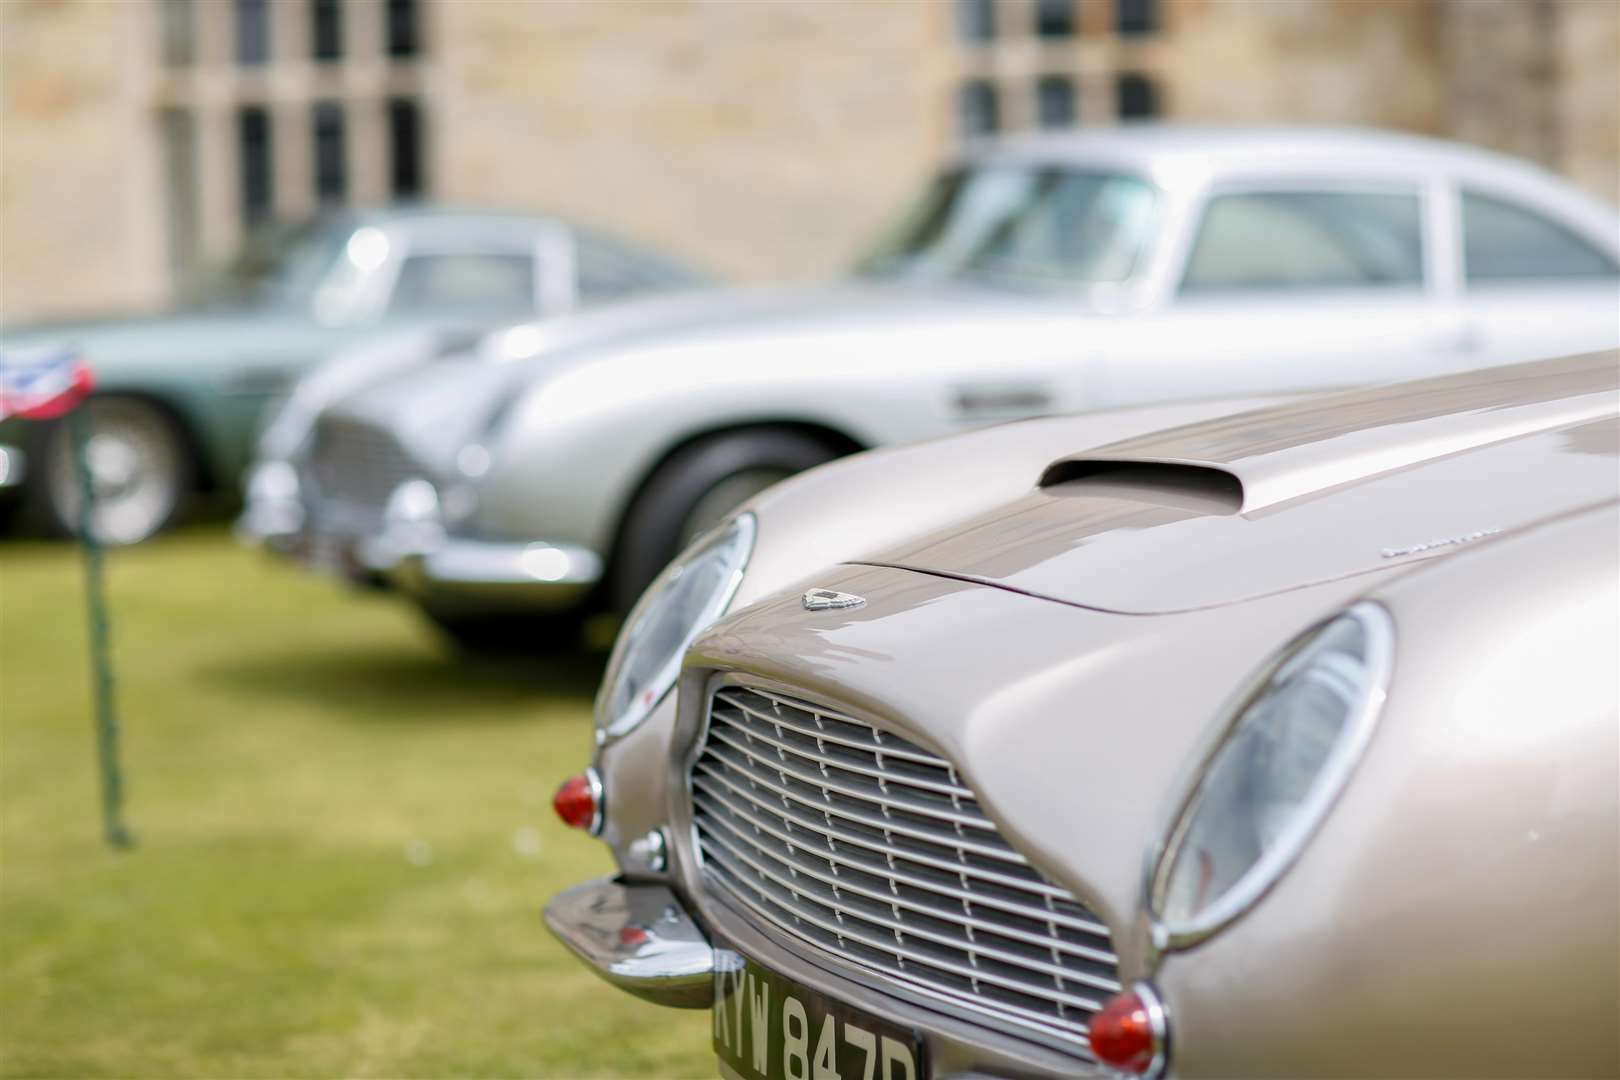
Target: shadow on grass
377, 683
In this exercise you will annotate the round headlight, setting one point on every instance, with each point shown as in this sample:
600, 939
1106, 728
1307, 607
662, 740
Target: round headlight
691, 593
1279, 762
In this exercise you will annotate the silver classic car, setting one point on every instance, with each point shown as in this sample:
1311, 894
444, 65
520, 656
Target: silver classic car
1274, 744
559, 465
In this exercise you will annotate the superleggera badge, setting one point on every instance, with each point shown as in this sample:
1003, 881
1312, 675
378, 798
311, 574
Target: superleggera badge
1450, 541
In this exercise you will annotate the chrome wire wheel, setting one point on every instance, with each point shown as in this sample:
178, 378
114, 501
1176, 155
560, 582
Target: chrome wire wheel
138, 471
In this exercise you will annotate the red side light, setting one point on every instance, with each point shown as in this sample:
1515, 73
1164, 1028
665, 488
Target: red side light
578, 801
1127, 1033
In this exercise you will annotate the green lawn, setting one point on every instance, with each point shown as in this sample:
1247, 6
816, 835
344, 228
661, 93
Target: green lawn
345, 839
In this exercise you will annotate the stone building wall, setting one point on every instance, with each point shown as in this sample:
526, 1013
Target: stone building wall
1588, 101
762, 139
80, 206
1363, 62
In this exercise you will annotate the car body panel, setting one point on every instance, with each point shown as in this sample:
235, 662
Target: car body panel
1464, 890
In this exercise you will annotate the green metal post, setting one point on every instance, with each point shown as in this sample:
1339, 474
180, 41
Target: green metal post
112, 780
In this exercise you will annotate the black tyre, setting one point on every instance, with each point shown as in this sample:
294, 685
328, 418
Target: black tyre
694, 490
506, 635
140, 466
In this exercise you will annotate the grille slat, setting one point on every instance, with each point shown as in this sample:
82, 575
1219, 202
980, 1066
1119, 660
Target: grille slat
842, 857
834, 884
775, 894
786, 721
888, 848
877, 795
872, 821
356, 468
873, 848
859, 769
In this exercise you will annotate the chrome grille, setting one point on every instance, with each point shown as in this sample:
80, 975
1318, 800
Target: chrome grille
872, 847
356, 467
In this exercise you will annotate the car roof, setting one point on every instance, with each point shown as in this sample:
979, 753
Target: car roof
1220, 148
408, 212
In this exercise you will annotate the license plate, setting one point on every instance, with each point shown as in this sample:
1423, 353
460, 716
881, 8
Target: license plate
770, 1027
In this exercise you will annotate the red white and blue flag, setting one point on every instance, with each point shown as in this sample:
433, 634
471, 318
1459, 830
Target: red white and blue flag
42, 383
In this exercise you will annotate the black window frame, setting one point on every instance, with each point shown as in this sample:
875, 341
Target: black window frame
329, 153
981, 97
256, 162
1056, 20
1049, 90
252, 32
326, 31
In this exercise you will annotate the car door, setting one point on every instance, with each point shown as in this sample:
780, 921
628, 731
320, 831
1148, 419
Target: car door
1533, 286
1290, 285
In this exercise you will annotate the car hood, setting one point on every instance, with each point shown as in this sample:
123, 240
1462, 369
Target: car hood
1313, 491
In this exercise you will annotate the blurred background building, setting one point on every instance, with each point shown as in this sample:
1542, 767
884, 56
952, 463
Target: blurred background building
142, 140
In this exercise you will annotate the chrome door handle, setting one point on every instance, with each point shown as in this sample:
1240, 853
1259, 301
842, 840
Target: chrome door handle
1002, 400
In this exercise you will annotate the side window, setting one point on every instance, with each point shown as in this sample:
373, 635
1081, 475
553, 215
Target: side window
607, 272
1269, 241
463, 280
1506, 242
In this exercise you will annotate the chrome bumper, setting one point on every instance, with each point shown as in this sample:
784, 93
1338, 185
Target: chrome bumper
488, 574
412, 549
13, 466
637, 937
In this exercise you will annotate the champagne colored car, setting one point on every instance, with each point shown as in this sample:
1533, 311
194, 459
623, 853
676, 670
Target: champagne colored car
1278, 743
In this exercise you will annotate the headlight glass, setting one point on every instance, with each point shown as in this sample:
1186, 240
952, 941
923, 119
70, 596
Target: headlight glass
1275, 770
686, 598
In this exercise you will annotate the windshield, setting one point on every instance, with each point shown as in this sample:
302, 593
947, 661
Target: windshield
294, 262
1022, 223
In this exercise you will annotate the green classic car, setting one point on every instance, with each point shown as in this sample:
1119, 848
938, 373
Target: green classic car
179, 396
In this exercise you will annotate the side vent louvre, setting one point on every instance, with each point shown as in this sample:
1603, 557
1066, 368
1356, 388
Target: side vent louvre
1199, 487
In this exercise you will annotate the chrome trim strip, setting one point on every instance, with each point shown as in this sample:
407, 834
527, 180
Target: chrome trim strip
598, 800
1159, 1022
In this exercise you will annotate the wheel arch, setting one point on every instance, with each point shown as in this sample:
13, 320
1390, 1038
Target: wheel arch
836, 439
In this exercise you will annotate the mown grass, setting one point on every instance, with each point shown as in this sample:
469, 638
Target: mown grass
344, 839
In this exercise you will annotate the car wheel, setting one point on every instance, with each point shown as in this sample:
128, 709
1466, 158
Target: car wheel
694, 490
140, 469
506, 635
